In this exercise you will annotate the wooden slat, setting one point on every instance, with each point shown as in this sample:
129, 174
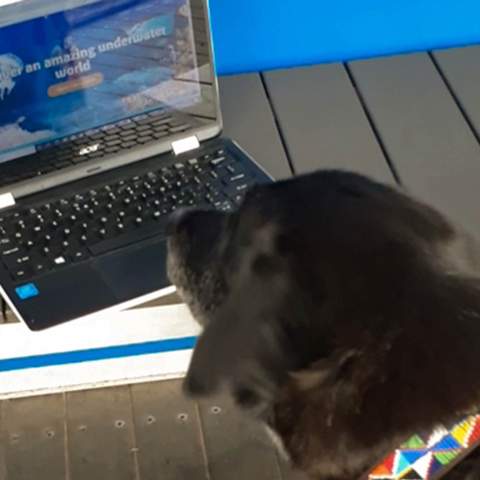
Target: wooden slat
249, 120
100, 435
168, 433
425, 134
461, 69
35, 438
237, 448
323, 122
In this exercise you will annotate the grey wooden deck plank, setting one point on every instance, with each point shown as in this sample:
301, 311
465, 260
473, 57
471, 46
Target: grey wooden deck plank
323, 122
101, 435
248, 119
34, 438
237, 448
424, 133
461, 69
168, 433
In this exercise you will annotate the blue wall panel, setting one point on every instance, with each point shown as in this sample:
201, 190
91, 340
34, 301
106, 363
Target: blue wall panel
252, 35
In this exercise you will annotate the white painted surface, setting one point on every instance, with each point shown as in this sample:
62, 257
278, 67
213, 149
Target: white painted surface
112, 329
103, 373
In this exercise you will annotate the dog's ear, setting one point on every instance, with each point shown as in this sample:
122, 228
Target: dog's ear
242, 345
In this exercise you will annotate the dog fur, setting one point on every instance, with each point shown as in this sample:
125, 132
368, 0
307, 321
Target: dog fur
339, 311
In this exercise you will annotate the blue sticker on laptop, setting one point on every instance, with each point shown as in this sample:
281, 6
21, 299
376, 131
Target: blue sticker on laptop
26, 291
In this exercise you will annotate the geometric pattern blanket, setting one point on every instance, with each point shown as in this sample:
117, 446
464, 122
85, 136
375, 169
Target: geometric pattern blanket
432, 456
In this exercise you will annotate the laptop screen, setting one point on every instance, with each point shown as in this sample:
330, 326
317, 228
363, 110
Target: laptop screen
67, 67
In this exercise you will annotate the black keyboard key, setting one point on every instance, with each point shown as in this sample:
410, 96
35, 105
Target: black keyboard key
112, 149
139, 118
160, 128
152, 230
127, 132
41, 265
108, 128
234, 168
61, 261
113, 131
9, 250
162, 121
159, 135
126, 124
217, 161
144, 128
236, 188
226, 206
62, 164
20, 274
238, 178
79, 254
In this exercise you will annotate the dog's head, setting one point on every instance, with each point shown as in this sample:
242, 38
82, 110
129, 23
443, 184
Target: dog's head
269, 281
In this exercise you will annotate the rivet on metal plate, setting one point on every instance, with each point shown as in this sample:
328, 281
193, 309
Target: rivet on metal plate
120, 424
151, 419
182, 417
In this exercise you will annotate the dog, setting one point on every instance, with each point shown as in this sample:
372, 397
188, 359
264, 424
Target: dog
339, 311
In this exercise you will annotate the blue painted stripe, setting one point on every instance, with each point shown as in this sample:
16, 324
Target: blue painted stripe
96, 354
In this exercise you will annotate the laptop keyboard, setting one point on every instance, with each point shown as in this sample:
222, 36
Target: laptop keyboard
90, 223
107, 140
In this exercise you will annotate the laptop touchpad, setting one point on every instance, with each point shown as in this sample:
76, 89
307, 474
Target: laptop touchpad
135, 271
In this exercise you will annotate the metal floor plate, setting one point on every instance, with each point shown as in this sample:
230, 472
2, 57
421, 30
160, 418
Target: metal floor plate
145, 431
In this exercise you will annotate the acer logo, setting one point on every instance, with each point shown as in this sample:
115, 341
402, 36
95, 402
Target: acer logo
89, 149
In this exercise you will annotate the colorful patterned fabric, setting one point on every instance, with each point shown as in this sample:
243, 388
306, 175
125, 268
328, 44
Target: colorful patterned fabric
430, 458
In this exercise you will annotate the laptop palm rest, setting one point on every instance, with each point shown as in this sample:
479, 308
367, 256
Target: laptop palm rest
135, 271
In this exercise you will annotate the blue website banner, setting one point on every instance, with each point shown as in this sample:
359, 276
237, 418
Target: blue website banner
77, 69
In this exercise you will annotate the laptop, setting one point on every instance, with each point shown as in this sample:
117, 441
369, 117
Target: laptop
109, 122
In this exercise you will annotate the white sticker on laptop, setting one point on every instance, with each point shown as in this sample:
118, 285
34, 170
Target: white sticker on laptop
7, 200
185, 145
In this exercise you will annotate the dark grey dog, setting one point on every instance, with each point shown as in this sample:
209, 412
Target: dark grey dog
340, 312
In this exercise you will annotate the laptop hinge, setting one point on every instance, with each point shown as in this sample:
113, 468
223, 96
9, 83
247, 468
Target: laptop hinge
6, 200
185, 145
